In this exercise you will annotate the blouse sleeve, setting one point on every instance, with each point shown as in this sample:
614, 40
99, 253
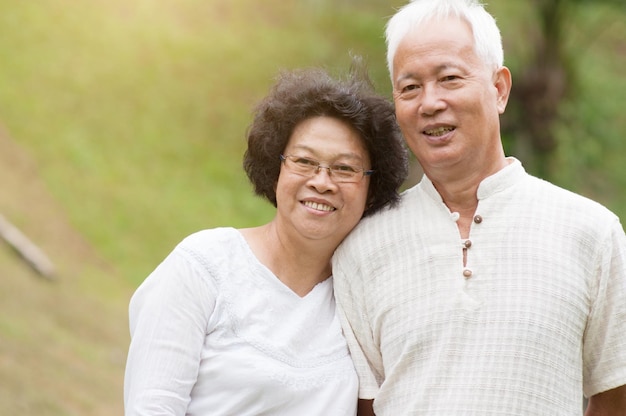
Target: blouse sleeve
168, 316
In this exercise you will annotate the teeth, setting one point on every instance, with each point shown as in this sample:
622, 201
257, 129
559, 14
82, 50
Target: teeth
439, 131
318, 207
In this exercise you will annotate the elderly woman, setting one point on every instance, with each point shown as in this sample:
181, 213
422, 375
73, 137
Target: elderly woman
243, 321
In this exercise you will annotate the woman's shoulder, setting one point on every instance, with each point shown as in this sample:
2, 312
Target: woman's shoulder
213, 244
211, 237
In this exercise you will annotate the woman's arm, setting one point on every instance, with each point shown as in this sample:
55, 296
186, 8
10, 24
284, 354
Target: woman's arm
168, 322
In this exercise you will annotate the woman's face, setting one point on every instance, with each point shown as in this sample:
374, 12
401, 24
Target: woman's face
318, 206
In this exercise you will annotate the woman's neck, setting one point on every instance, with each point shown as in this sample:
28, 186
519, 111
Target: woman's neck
299, 264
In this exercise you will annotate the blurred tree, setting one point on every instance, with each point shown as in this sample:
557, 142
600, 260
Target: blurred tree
546, 79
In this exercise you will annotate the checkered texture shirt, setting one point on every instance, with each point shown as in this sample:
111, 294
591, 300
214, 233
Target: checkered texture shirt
535, 317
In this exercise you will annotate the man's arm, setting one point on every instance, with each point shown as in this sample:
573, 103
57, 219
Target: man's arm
365, 408
608, 403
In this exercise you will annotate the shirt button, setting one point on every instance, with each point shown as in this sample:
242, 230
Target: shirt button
478, 219
467, 273
467, 243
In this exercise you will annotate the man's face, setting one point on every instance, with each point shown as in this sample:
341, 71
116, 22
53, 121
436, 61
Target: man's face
448, 101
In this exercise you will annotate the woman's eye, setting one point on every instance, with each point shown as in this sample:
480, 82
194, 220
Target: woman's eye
306, 161
345, 168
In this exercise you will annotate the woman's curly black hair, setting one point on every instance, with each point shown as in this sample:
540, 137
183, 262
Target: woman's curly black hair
301, 94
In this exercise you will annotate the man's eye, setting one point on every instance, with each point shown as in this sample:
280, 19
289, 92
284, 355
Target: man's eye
411, 87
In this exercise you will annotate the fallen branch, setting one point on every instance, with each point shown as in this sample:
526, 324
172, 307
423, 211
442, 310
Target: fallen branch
26, 249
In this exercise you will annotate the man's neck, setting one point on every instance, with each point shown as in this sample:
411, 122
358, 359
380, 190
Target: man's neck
460, 192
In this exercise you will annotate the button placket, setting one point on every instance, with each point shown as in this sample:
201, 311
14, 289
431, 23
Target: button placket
466, 245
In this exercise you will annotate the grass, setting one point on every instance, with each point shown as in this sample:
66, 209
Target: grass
125, 128
127, 122
62, 345
136, 111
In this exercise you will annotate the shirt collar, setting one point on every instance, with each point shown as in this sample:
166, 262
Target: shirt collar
501, 180
491, 185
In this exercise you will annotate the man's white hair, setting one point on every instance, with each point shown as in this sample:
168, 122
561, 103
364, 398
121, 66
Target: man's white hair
487, 38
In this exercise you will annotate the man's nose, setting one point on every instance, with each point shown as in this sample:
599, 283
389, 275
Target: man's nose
431, 100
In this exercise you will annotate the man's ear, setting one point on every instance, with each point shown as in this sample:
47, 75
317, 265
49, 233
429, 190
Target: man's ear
503, 83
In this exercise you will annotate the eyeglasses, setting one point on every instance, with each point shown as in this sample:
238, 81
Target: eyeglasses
339, 172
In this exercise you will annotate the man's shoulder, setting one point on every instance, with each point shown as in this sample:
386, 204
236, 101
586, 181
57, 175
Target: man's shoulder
560, 197
385, 226
559, 207
406, 204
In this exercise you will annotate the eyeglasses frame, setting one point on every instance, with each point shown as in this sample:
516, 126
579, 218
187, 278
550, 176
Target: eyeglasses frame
329, 169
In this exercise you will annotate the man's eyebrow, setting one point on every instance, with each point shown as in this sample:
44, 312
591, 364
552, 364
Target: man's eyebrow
438, 69
445, 66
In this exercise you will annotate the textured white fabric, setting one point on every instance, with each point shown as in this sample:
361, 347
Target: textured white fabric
214, 332
542, 316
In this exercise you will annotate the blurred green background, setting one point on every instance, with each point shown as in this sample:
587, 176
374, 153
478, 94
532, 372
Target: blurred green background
123, 126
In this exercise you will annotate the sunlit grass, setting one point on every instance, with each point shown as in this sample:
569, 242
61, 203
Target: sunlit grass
136, 111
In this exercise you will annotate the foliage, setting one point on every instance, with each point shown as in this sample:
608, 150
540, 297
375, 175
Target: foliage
136, 111
578, 125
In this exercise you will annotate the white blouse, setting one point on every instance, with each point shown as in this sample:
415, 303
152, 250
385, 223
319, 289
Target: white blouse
214, 332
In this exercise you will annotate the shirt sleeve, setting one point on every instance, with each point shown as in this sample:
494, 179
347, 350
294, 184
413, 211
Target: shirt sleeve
168, 318
604, 345
352, 312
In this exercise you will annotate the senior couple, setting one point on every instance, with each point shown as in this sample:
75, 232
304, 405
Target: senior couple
482, 290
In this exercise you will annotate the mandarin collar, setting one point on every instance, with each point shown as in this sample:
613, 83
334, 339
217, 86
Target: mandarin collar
499, 181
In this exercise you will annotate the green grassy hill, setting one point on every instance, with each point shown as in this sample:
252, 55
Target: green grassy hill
123, 131
136, 111
62, 342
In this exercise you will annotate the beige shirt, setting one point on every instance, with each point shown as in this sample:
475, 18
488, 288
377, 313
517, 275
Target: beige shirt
536, 316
